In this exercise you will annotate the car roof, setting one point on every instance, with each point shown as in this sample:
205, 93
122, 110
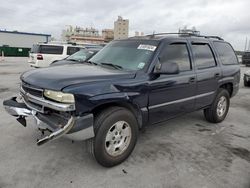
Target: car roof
59, 44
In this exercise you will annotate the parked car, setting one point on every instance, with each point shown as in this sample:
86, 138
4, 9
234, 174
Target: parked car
129, 84
78, 57
42, 55
246, 58
247, 79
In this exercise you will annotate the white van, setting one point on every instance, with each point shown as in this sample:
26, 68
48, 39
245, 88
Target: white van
42, 55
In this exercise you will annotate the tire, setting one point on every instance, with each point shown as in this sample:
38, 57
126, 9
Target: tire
217, 112
116, 131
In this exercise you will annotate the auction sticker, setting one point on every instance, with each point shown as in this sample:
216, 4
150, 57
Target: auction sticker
146, 47
141, 65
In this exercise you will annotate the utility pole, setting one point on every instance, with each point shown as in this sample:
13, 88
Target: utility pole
245, 45
248, 45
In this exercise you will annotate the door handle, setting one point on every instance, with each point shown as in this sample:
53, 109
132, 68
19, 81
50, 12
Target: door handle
217, 75
192, 79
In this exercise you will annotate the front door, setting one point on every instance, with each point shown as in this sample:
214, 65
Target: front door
171, 95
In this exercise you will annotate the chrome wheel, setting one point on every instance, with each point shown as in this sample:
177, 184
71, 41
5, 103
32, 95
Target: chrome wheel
118, 138
221, 106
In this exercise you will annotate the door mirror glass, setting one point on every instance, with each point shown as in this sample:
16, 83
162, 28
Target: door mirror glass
166, 68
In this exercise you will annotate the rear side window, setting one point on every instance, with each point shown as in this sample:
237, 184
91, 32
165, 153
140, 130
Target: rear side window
226, 53
177, 53
72, 50
49, 49
203, 56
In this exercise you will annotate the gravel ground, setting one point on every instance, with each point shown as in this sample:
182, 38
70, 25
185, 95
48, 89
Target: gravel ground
186, 152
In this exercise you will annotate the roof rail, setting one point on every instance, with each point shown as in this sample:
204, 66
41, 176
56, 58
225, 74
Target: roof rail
184, 35
158, 34
214, 37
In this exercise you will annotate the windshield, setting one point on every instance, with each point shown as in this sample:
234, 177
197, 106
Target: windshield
81, 55
128, 55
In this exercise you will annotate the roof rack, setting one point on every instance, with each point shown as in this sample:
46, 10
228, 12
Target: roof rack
185, 35
214, 37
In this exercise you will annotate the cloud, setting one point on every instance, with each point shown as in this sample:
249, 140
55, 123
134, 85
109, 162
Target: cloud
228, 19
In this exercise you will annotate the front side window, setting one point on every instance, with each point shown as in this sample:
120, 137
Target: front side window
72, 50
127, 54
226, 53
203, 56
177, 53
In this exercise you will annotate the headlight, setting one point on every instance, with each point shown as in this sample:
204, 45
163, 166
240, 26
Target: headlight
59, 96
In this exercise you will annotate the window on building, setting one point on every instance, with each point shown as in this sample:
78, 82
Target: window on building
226, 53
203, 55
177, 53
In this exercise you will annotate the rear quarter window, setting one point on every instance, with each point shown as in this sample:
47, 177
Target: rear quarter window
49, 49
226, 53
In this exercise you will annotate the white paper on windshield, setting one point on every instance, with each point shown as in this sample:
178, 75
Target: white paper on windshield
146, 47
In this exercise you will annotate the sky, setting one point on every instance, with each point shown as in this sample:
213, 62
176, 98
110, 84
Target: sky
229, 19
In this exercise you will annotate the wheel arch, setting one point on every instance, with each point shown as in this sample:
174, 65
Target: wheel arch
135, 109
228, 86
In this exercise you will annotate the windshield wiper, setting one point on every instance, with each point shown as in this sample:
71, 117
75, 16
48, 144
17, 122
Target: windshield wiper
71, 59
90, 62
113, 65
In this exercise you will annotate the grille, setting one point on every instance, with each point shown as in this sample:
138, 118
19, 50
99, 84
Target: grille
32, 90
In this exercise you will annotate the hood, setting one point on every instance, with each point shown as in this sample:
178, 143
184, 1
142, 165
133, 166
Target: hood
58, 77
63, 62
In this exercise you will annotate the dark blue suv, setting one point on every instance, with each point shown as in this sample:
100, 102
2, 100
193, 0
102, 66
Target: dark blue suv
126, 86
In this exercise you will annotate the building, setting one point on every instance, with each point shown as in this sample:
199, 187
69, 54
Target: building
121, 28
79, 39
21, 39
82, 35
14, 43
137, 34
108, 35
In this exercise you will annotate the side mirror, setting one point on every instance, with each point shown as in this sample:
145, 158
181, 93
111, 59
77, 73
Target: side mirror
166, 68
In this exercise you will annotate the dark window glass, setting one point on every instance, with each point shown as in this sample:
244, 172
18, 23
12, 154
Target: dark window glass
203, 56
177, 53
50, 49
72, 50
226, 53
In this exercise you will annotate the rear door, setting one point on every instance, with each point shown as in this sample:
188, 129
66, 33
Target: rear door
208, 73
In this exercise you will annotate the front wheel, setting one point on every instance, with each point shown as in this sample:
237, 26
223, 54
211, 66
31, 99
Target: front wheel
116, 132
217, 112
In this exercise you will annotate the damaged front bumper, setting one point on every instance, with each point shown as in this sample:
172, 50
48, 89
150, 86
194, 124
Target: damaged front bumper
73, 127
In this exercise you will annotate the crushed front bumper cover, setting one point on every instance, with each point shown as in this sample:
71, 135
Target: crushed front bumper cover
75, 128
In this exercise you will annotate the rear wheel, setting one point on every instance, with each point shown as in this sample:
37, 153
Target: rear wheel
116, 133
246, 84
218, 110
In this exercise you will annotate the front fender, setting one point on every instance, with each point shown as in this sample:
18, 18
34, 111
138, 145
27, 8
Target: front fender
133, 100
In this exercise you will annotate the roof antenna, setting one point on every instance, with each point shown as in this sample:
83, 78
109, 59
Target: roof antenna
153, 35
